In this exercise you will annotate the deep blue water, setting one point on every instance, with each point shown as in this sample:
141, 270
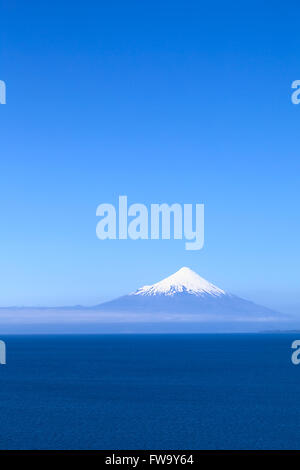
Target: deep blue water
150, 392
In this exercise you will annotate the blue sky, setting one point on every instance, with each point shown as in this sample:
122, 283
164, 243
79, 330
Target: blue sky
183, 102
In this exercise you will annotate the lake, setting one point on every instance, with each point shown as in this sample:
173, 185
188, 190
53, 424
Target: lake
222, 391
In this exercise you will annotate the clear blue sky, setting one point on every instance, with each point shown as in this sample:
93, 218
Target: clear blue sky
164, 102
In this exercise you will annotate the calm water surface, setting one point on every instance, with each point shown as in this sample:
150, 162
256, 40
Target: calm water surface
150, 392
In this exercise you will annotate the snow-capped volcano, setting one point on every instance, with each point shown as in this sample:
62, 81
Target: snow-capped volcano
185, 295
183, 281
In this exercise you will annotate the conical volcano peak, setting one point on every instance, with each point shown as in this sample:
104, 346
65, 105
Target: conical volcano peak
189, 297
185, 280
185, 271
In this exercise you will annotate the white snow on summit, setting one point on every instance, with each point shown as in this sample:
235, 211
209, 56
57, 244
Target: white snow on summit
183, 281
